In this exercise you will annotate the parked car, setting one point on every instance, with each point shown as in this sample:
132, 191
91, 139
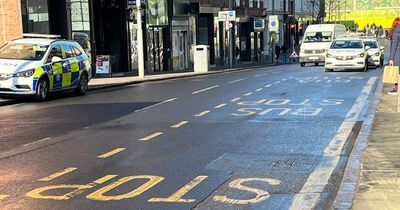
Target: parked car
316, 41
376, 52
347, 53
37, 65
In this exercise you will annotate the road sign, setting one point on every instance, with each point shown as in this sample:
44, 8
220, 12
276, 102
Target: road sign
273, 23
227, 15
294, 55
258, 24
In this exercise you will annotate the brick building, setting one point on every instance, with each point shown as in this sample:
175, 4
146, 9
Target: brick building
10, 20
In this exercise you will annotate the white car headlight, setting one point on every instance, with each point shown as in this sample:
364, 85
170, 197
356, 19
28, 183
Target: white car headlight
27, 73
329, 55
361, 55
377, 54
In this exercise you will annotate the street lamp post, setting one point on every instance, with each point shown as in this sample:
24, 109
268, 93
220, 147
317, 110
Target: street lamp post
140, 40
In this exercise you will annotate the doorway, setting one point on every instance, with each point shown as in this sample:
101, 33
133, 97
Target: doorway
180, 50
155, 45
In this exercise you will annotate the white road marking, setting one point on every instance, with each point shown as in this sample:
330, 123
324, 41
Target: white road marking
260, 75
267, 86
202, 113
179, 124
154, 105
236, 99
220, 106
247, 94
205, 89
277, 82
310, 194
238, 80
284, 80
259, 89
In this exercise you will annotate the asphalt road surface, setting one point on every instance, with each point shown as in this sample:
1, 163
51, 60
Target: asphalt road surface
268, 138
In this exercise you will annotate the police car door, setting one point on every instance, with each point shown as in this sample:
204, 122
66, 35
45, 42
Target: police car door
55, 75
69, 61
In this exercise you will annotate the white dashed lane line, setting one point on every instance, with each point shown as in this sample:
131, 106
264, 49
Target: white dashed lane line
220, 106
238, 80
205, 89
236, 99
201, 114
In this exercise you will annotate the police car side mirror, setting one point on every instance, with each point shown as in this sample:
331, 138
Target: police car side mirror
56, 59
367, 48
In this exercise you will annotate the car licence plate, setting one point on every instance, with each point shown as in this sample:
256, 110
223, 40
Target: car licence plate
313, 58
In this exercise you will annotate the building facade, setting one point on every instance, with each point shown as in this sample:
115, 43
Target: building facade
171, 28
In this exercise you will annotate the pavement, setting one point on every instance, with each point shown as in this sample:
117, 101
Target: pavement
371, 179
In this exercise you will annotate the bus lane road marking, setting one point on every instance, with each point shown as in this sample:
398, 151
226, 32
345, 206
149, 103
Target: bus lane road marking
178, 125
310, 194
152, 136
205, 89
111, 153
58, 174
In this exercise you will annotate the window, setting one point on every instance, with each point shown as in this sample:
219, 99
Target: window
35, 16
77, 51
324, 36
371, 44
347, 44
68, 51
55, 51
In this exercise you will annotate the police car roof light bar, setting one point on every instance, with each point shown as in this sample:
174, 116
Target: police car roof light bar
46, 36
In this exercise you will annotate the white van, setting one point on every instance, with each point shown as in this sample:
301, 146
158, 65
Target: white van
316, 41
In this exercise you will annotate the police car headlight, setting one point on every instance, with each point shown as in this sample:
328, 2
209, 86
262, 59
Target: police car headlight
328, 55
361, 55
27, 73
377, 54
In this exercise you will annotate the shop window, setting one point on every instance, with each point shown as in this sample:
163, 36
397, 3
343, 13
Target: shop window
35, 16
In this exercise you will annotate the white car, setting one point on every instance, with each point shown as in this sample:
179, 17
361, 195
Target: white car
37, 66
347, 53
376, 52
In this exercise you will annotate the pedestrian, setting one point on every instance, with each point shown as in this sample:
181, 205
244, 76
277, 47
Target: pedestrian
277, 52
394, 57
284, 55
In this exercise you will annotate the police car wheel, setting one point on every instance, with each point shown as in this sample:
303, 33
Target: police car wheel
82, 85
42, 90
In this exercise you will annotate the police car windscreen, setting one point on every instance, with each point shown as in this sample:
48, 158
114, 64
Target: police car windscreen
18, 51
320, 36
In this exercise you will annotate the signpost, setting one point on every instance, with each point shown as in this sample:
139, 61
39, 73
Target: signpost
273, 23
228, 17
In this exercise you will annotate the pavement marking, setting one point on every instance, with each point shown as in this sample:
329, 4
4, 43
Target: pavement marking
259, 89
152, 136
85, 128
277, 82
99, 195
238, 184
267, 86
154, 105
260, 75
220, 106
247, 94
205, 89
238, 80
58, 174
310, 194
236, 99
2, 197
75, 189
284, 80
179, 124
111, 153
202, 113
177, 196
35, 142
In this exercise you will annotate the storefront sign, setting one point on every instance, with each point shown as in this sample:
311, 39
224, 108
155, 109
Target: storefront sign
133, 2
258, 24
227, 15
157, 12
103, 64
273, 23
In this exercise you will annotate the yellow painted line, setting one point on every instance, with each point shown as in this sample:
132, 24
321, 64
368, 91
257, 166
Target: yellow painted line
236, 99
2, 197
259, 89
247, 94
152, 136
179, 124
202, 113
177, 196
111, 153
58, 174
105, 179
220, 106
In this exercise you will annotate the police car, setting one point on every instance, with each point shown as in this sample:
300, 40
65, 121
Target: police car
39, 64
